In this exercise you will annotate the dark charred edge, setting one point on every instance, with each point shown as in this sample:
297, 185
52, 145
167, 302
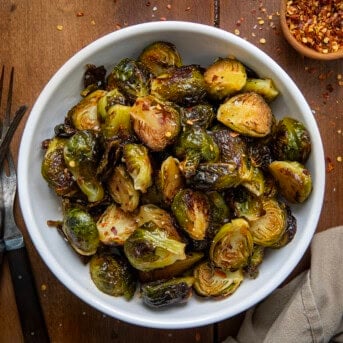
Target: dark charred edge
216, 22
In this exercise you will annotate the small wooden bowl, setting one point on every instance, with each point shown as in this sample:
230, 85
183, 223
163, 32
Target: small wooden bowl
301, 48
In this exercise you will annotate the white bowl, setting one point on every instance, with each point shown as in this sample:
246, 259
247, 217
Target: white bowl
197, 44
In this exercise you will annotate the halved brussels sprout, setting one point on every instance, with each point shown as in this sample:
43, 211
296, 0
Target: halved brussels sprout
255, 261
225, 77
84, 115
54, 169
246, 113
93, 79
155, 122
115, 226
81, 155
291, 141
184, 85
165, 293
121, 189
293, 179
117, 122
232, 246
112, 275
150, 247
264, 87
80, 230
111, 98
175, 269
270, 227
159, 56
138, 165
214, 282
192, 211
254, 181
198, 115
171, 179
131, 78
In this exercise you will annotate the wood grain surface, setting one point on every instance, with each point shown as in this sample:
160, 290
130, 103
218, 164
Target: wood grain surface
37, 37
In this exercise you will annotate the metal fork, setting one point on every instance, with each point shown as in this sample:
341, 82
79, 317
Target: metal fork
30, 313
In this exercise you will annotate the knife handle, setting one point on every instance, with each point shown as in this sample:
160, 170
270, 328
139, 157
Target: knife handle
30, 312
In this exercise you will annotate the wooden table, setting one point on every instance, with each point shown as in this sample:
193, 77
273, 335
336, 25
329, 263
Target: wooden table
37, 37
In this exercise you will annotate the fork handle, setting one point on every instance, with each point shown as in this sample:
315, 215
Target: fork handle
30, 312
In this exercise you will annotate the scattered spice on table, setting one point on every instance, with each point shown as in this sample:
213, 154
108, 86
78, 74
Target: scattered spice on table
316, 23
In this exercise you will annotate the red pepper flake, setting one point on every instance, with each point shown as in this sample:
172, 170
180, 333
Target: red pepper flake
188, 8
329, 167
118, 26
147, 4
169, 6
163, 18
80, 14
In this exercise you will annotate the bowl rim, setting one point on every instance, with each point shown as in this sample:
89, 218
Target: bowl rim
298, 46
24, 193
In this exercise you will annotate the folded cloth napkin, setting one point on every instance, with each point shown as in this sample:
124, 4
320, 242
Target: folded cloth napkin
310, 307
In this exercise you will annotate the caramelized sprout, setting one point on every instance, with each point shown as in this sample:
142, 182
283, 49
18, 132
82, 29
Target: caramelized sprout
111, 98
201, 115
255, 261
264, 87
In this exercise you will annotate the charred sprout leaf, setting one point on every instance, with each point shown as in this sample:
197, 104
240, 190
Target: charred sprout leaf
173, 270
192, 211
184, 86
115, 226
111, 98
201, 115
166, 293
264, 87
113, 275
270, 227
293, 179
54, 169
94, 78
149, 247
255, 261
216, 176
131, 78
232, 246
117, 123
194, 146
138, 165
156, 123
254, 181
260, 154
121, 189
246, 113
171, 179
65, 130
225, 77
80, 231
291, 141
81, 155
159, 56
84, 115
214, 282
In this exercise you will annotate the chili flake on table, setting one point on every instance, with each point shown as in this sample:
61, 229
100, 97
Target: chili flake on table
317, 23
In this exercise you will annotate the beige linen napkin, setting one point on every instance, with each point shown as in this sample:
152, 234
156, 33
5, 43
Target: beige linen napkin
310, 307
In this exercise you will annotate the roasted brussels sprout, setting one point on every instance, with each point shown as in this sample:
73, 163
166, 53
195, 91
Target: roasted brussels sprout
171, 179
255, 261
94, 78
225, 77
165, 293
138, 165
192, 211
293, 179
264, 87
254, 181
80, 230
246, 113
268, 229
115, 226
113, 275
173, 270
150, 247
291, 141
117, 123
111, 98
155, 122
232, 246
184, 86
121, 189
210, 281
54, 169
159, 56
131, 78
201, 115
81, 157
195, 145
84, 115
